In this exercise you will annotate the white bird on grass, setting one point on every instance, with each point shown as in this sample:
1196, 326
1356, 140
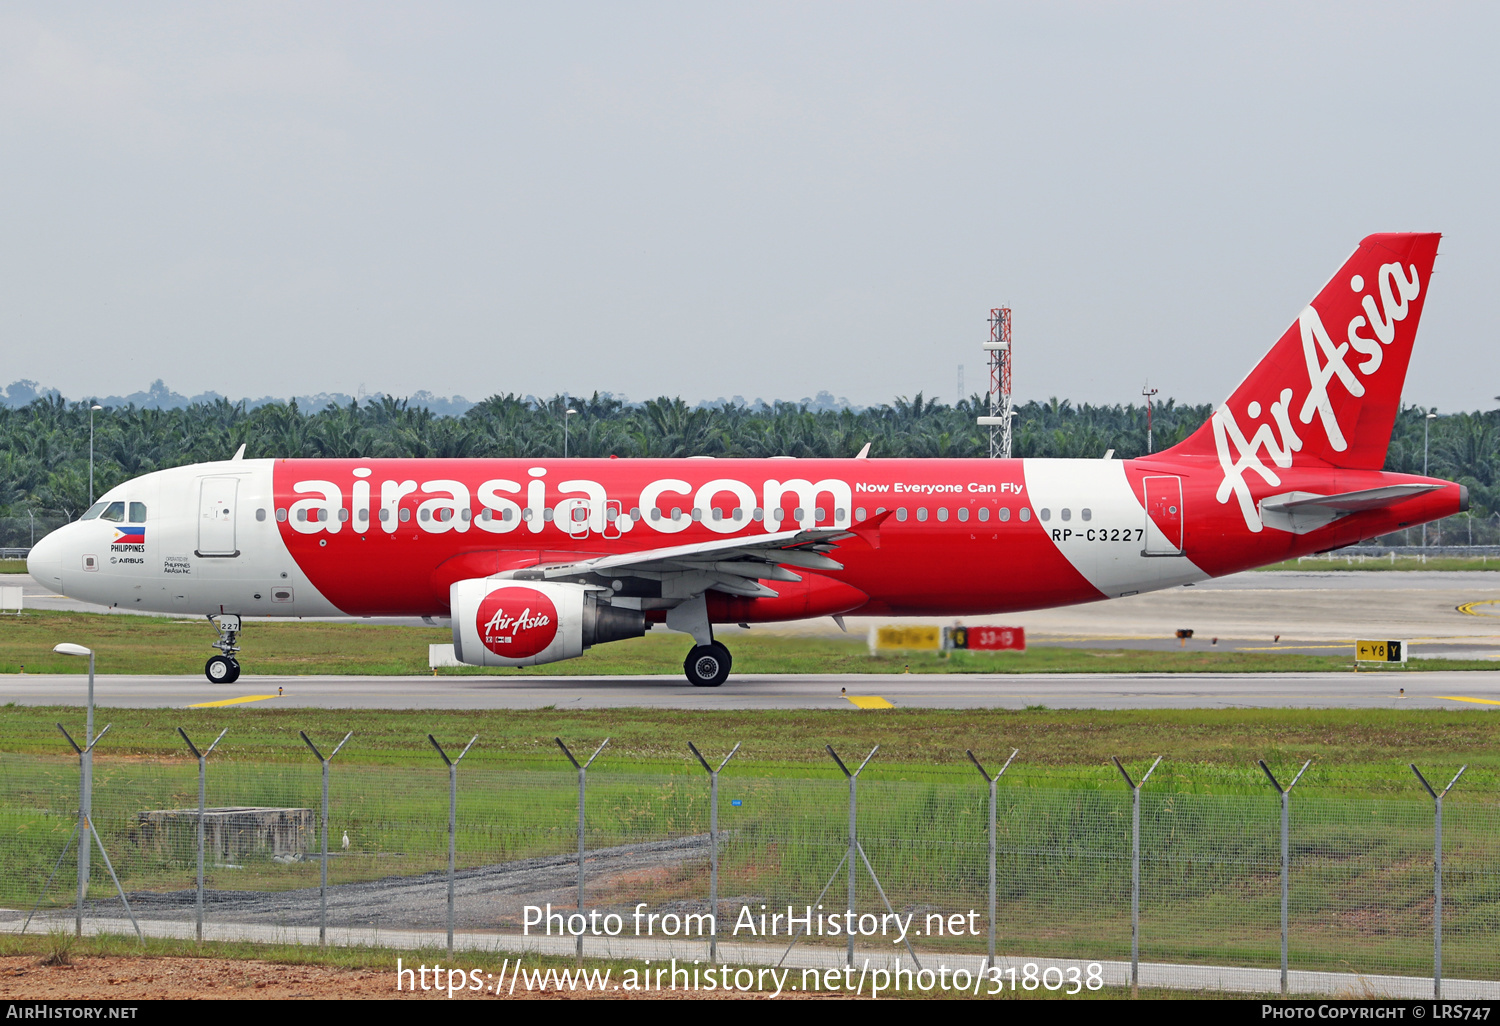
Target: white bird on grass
346, 840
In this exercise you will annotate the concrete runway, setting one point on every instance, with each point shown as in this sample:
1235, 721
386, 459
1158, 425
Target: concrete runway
1473, 690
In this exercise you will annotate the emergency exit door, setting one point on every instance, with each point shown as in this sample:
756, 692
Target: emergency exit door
1163, 515
217, 514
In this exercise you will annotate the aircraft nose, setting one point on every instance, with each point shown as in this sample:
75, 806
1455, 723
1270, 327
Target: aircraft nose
45, 560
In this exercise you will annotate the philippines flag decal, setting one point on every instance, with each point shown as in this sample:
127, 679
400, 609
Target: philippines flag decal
130, 536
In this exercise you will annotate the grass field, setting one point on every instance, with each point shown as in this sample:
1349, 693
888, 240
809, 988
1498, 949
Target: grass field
138, 644
1361, 826
12, 566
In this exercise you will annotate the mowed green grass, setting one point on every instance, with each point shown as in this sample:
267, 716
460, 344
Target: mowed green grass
12, 566
1207, 751
163, 645
1362, 826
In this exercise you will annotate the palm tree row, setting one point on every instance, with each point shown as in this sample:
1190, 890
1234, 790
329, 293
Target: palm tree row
44, 457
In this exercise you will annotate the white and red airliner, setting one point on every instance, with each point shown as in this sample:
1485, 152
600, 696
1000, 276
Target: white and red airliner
537, 560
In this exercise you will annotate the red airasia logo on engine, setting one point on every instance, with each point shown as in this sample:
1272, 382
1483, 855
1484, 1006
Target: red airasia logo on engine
516, 622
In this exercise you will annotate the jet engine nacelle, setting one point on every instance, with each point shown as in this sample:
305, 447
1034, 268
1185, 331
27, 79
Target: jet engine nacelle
507, 623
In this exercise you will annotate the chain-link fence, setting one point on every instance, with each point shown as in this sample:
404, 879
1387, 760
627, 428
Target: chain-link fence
1360, 884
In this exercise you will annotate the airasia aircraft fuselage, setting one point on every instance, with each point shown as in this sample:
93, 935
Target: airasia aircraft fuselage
960, 537
537, 560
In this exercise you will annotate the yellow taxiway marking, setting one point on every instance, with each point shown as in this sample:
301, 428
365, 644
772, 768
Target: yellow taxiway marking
1461, 698
1469, 607
870, 702
231, 701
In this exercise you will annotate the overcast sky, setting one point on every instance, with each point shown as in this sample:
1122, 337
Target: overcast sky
711, 199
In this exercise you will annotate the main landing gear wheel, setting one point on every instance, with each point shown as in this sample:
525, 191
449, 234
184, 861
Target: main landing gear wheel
221, 670
707, 666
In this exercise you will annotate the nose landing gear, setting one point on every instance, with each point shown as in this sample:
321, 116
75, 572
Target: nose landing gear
707, 666
224, 669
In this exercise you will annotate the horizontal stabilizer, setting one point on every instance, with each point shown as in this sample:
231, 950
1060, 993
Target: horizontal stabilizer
1302, 512
1353, 502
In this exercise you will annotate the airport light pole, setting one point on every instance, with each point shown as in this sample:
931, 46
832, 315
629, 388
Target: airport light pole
92, 409
566, 415
1148, 393
1426, 432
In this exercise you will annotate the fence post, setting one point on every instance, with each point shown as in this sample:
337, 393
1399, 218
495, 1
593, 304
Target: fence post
1286, 857
202, 793
452, 820
86, 828
1135, 871
1437, 877
583, 771
713, 847
853, 827
990, 962
323, 871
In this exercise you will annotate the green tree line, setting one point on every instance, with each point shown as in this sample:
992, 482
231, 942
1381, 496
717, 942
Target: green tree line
44, 446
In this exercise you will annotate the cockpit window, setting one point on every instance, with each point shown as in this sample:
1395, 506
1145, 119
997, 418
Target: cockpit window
94, 511
137, 512
114, 512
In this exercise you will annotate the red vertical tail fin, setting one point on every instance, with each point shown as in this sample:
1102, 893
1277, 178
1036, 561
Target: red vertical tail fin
1330, 388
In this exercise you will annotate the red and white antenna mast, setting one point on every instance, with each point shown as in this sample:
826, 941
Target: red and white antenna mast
1000, 413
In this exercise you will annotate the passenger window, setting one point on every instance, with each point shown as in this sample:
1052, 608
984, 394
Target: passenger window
984, 513
963, 514
281, 515
404, 515
901, 514
859, 514
260, 515
818, 514
1004, 514
922, 513
1046, 515
1067, 514
94, 511
942, 512
114, 513
137, 512
1025, 514
1087, 513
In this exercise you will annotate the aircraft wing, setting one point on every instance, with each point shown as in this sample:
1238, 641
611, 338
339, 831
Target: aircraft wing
733, 565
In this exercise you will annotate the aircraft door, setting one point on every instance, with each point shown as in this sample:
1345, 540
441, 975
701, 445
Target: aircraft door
612, 514
217, 512
1163, 515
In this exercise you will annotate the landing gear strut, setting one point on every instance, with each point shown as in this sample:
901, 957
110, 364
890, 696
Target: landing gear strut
224, 669
707, 666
